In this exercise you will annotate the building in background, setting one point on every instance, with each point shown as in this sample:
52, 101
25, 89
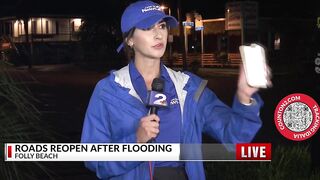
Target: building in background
212, 42
288, 40
45, 39
41, 29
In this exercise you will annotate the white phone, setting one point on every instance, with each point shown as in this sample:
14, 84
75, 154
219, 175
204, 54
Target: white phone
255, 65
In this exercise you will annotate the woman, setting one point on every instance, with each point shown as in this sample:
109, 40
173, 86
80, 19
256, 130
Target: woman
117, 111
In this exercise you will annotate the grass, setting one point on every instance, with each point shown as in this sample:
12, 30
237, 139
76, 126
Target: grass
287, 163
20, 123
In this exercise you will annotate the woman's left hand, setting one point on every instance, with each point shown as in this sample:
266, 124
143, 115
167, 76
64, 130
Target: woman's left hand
244, 91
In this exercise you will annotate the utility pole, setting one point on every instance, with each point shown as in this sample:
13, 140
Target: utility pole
182, 40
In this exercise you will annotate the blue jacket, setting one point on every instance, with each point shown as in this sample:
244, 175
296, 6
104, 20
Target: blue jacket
115, 109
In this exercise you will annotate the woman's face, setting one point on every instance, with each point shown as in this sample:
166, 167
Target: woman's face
150, 43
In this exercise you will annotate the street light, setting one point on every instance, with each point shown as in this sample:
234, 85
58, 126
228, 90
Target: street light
165, 7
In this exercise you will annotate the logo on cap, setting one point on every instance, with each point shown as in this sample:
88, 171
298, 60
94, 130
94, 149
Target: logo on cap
151, 8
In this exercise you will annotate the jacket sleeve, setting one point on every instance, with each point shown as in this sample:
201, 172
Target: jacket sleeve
229, 125
96, 130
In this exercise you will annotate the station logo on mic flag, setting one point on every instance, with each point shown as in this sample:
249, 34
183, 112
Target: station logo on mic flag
157, 99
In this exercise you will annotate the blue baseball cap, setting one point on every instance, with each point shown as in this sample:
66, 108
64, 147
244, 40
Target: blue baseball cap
143, 15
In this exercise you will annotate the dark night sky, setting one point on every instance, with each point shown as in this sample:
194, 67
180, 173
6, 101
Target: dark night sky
208, 8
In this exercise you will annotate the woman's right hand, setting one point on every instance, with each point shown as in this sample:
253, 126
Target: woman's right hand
148, 128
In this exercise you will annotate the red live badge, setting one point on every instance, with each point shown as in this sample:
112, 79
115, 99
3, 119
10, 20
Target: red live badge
253, 151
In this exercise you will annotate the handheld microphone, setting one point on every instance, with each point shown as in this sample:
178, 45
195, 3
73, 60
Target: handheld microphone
156, 98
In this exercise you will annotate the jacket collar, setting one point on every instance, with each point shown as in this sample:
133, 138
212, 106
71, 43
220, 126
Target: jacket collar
179, 79
122, 77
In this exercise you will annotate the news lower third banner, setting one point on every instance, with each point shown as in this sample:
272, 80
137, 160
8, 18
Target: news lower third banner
136, 152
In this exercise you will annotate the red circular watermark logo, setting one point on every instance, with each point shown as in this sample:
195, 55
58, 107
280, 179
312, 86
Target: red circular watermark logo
297, 117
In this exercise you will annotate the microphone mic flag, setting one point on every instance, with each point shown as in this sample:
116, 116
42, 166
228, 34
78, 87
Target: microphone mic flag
156, 98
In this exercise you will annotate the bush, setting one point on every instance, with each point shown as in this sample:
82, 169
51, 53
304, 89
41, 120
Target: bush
19, 122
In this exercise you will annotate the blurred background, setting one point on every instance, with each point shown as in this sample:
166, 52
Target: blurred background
53, 53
